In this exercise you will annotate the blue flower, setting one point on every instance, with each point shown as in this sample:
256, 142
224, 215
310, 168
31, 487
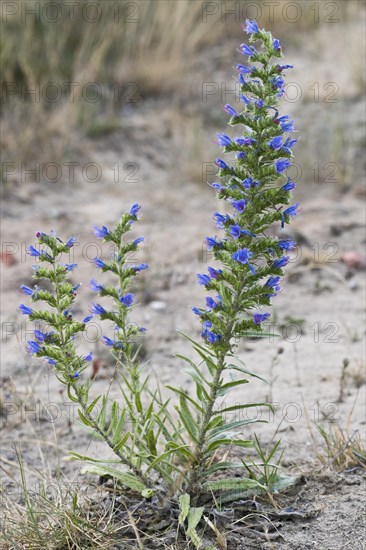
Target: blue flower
210, 303
276, 143
220, 219
70, 267
284, 67
282, 165
285, 123
242, 255
70, 243
222, 164
25, 310
87, 319
214, 273
127, 299
245, 140
97, 309
248, 183
272, 282
26, 290
286, 244
50, 361
259, 103
260, 317
212, 243
235, 231
224, 140
134, 209
138, 241
96, 287
217, 186
239, 205
291, 210
33, 251
247, 50
75, 375
244, 69
101, 233
281, 262
251, 26
197, 311
112, 343
276, 44
33, 347
203, 279
88, 357
40, 336
230, 110
289, 185
211, 336
140, 267
245, 99
99, 263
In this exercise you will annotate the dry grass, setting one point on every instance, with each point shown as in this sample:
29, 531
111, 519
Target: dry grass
149, 48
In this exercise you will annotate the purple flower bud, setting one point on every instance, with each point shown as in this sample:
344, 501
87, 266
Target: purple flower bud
134, 210
70, 243
138, 241
140, 267
276, 143
281, 165
127, 299
260, 317
87, 319
102, 232
286, 244
223, 140
247, 50
96, 287
242, 255
88, 357
281, 262
251, 26
203, 279
33, 347
214, 273
97, 309
197, 311
33, 251
26, 290
99, 263
230, 110
25, 309
239, 205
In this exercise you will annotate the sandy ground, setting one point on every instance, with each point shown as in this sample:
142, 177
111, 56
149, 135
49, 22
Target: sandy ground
320, 311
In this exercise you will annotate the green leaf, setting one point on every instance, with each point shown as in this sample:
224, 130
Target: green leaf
185, 396
184, 502
128, 479
229, 484
231, 426
83, 418
194, 517
221, 466
235, 442
246, 406
225, 388
92, 404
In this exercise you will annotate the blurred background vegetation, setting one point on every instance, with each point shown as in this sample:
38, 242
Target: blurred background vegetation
142, 51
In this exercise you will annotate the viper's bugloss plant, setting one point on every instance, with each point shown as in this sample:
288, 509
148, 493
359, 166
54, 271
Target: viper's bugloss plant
182, 453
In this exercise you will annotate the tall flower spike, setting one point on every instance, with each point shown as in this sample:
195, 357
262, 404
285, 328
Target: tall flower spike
253, 185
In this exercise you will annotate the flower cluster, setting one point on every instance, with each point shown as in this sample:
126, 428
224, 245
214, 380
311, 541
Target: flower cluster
252, 187
56, 346
124, 334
